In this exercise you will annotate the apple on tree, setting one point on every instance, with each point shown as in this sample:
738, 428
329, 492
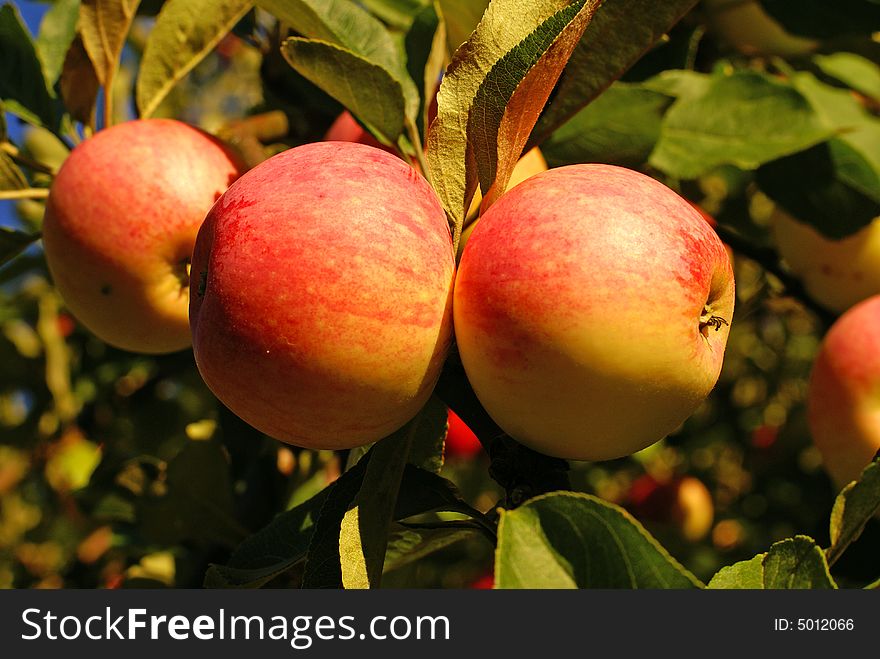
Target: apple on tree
322, 314
842, 409
345, 128
592, 308
682, 502
836, 273
121, 220
531, 163
461, 442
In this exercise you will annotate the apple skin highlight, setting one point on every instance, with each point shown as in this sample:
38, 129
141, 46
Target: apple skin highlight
120, 224
581, 309
323, 311
843, 403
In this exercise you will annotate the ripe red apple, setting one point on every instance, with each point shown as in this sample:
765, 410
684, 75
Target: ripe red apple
684, 503
120, 224
531, 163
836, 273
592, 308
346, 129
842, 406
323, 310
461, 442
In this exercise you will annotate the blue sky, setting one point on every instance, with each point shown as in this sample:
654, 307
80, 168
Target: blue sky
32, 12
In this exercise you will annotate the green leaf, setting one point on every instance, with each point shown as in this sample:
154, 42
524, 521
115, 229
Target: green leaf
744, 119
11, 177
425, 45
679, 83
185, 32
196, 504
272, 550
79, 83
396, 13
620, 127
856, 504
363, 533
620, 32
462, 18
104, 26
288, 539
743, 575
426, 451
573, 540
13, 243
796, 563
406, 545
366, 89
500, 130
835, 186
424, 492
492, 93
57, 30
22, 86
859, 73
351, 28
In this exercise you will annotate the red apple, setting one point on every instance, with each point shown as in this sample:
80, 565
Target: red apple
592, 308
684, 503
842, 408
323, 310
346, 129
461, 441
120, 224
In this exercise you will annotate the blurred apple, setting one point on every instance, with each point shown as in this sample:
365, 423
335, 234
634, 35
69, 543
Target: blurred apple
346, 129
592, 309
486, 582
121, 220
683, 502
842, 408
461, 442
836, 273
323, 311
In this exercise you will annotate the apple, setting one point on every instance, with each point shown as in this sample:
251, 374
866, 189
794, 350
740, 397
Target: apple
683, 502
323, 310
531, 163
836, 273
346, 129
121, 220
461, 442
747, 28
592, 308
842, 409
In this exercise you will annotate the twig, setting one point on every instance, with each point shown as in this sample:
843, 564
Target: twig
26, 193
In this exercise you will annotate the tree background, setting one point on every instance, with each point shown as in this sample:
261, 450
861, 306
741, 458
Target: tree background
120, 470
